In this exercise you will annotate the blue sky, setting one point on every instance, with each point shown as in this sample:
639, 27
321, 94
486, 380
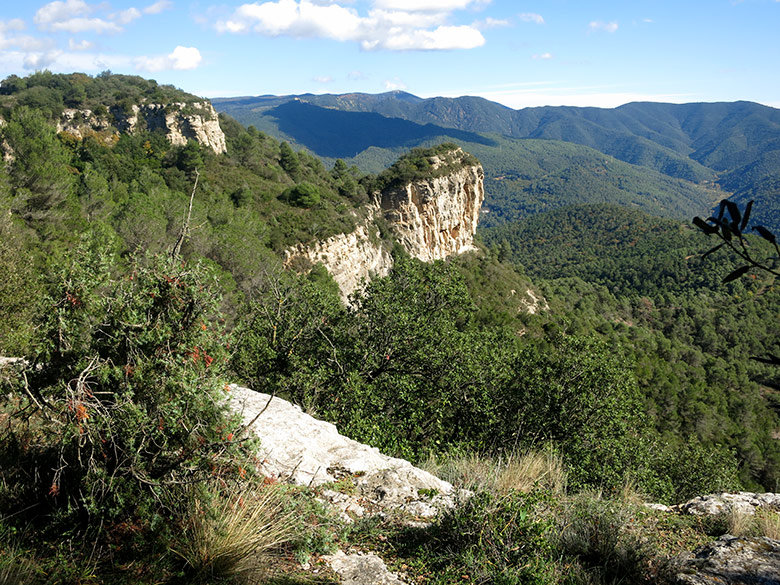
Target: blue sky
552, 52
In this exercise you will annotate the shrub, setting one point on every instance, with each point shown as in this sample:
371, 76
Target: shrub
595, 533
122, 405
491, 539
303, 195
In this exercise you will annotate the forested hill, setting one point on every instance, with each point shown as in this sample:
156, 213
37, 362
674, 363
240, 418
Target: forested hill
644, 284
733, 144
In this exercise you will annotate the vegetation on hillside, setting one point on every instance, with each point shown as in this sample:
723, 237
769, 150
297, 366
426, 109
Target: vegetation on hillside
644, 284
120, 462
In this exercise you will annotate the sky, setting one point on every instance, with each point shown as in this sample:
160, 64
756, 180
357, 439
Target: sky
546, 52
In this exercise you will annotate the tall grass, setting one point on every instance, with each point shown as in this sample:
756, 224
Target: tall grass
499, 475
768, 523
233, 535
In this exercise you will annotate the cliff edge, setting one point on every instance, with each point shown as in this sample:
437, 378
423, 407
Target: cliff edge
431, 211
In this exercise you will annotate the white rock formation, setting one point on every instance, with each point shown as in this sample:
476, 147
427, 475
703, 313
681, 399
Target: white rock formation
732, 560
361, 569
436, 218
349, 258
180, 122
431, 218
299, 448
745, 502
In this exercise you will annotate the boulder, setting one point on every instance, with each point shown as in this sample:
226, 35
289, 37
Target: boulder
732, 560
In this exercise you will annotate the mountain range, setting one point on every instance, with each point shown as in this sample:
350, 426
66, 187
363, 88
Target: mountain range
709, 150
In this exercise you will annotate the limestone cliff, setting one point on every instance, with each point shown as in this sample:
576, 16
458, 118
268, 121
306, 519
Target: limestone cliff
431, 217
350, 258
180, 122
436, 217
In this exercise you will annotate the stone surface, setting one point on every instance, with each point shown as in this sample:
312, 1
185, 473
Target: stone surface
361, 569
731, 560
746, 502
298, 448
349, 258
180, 122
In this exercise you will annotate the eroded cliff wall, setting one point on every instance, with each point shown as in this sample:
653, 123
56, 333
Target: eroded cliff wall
431, 218
437, 217
180, 122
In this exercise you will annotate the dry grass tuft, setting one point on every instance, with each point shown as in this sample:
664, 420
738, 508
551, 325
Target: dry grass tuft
768, 523
740, 522
517, 472
234, 536
15, 569
526, 471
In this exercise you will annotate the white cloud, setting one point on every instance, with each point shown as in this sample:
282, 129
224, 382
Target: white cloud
127, 16
491, 23
80, 46
442, 38
359, 75
14, 24
323, 79
71, 16
394, 84
542, 56
597, 25
531, 17
424, 5
158, 7
394, 29
77, 16
40, 60
182, 59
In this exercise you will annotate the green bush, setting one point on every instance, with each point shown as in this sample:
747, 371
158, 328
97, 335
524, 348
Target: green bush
303, 195
121, 407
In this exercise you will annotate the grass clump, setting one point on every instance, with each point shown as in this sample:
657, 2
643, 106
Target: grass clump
519, 471
234, 534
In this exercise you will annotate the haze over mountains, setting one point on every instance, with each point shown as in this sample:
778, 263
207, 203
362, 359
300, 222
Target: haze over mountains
691, 154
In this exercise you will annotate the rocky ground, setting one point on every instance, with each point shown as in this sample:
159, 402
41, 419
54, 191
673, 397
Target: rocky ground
300, 449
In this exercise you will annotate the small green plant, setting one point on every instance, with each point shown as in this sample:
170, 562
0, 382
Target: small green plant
489, 539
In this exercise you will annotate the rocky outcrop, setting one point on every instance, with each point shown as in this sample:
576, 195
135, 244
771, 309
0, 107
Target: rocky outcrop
732, 560
298, 448
350, 258
430, 218
361, 569
180, 121
437, 217
744, 502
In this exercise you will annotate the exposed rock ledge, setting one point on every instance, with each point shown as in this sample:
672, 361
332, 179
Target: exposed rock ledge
180, 122
349, 258
299, 448
731, 560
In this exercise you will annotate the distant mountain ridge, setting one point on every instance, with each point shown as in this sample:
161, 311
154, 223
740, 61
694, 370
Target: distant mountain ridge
735, 144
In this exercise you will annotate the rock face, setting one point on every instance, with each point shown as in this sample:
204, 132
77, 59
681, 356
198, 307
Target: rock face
361, 569
180, 122
731, 560
299, 448
431, 219
350, 258
714, 504
437, 217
